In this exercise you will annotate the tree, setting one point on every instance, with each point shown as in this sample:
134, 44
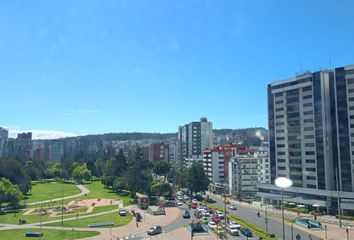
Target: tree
81, 173
162, 168
119, 184
9, 193
197, 180
107, 181
91, 166
138, 173
162, 189
117, 165
100, 166
182, 177
68, 165
15, 172
53, 172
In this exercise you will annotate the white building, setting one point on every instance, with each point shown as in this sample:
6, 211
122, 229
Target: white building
243, 176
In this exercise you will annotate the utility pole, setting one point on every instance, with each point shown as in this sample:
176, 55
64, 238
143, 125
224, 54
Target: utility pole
62, 208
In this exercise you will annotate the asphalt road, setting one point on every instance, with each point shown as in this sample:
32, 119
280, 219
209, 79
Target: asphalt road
182, 222
273, 226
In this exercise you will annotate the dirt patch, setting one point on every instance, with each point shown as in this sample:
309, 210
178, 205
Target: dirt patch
94, 202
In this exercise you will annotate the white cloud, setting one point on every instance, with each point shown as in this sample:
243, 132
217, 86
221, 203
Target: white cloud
42, 134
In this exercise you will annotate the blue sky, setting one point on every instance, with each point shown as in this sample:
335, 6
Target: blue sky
109, 66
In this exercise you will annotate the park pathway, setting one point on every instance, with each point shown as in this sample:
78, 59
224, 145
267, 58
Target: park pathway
82, 188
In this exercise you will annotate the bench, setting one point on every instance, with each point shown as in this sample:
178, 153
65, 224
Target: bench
34, 234
103, 224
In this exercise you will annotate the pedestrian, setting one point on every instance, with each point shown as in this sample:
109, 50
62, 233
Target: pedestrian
310, 237
298, 236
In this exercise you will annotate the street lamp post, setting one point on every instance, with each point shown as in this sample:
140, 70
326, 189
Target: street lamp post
266, 219
283, 182
326, 231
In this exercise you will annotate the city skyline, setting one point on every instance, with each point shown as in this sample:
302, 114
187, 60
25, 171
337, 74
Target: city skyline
126, 66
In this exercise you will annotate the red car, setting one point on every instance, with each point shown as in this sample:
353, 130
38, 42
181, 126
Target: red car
194, 205
215, 219
209, 210
198, 214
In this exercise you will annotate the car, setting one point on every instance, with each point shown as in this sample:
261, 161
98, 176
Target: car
186, 214
194, 200
204, 220
179, 198
185, 197
221, 216
233, 230
219, 230
122, 212
246, 232
155, 230
210, 200
200, 208
212, 225
232, 207
194, 205
179, 203
205, 213
198, 214
216, 219
209, 210
235, 224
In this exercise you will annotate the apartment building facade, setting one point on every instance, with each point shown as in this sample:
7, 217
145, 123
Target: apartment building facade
311, 134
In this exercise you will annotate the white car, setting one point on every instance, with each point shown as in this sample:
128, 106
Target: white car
200, 208
194, 201
185, 197
212, 225
205, 213
233, 230
232, 207
179, 203
234, 224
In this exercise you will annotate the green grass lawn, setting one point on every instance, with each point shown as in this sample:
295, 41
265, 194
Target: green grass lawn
19, 234
112, 217
47, 191
97, 190
104, 208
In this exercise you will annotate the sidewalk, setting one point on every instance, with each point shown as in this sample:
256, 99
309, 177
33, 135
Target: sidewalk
183, 234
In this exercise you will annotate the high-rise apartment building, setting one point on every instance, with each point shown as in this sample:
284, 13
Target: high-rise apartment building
311, 136
4, 134
193, 138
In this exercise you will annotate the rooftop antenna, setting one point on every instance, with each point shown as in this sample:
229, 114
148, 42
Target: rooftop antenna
300, 63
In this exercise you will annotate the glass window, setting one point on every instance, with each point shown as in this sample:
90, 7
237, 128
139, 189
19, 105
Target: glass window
307, 97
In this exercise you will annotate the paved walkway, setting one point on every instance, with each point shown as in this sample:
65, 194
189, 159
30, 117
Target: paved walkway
82, 188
